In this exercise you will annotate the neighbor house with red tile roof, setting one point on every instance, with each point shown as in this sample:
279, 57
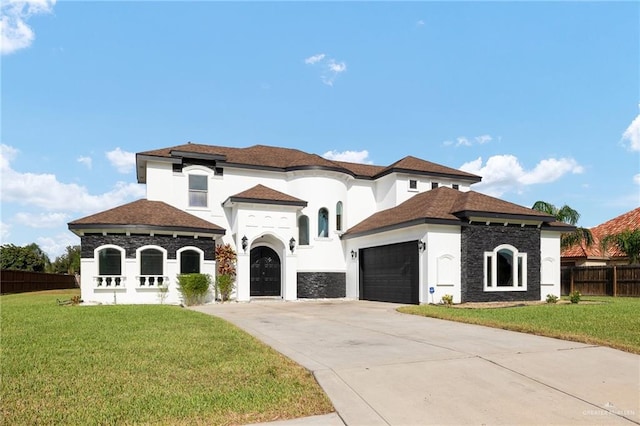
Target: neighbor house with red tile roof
598, 253
304, 226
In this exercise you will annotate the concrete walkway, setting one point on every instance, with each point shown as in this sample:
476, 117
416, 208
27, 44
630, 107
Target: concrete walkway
380, 367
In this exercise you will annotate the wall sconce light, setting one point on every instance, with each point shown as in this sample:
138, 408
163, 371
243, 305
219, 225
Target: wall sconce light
422, 246
245, 241
292, 244
354, 254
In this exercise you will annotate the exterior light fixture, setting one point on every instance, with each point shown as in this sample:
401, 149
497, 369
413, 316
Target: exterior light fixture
422, 246
292, 244
354, 254
245, 241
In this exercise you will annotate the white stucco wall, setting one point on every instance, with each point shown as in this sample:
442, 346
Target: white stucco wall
549, 264
130, 292
443, 263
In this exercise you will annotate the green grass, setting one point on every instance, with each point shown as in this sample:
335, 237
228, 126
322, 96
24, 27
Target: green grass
606, 321
129, 364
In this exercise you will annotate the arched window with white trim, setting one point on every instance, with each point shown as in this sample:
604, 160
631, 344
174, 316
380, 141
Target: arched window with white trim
323, 223
303, 230
110, 260
339, 216
190, 260
151, 260
505, 269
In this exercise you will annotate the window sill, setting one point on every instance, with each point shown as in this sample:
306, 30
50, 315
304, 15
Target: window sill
497, 289
323, 239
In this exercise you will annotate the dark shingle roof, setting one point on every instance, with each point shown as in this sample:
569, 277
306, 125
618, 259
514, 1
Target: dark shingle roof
264, 195
287, 159
447, 206
147, 215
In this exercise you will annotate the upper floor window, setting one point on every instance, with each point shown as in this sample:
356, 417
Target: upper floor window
197, 191
323, 223
455, 186
505, 269
189, 262
413, 184
339, 216
434, 185
303, 230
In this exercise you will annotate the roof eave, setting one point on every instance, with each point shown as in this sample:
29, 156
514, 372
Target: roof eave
101, 227
422, 221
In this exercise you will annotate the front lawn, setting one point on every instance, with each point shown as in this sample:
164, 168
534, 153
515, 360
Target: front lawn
606, 321
132, 364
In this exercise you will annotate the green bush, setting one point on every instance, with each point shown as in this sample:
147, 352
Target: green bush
193, 287
575, 296
225, 286
552, 298
447, 299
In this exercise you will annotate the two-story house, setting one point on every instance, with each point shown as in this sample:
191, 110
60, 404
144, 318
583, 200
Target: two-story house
307, 227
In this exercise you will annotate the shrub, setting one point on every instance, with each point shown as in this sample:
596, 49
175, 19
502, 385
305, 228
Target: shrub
447, 299
552, 298
575, 296
225, 286
193, 287
226, 258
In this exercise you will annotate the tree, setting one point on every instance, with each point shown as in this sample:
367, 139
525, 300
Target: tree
27, 258
567, 215
628, 241
69, 262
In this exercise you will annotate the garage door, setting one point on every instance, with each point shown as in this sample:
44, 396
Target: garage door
390, 273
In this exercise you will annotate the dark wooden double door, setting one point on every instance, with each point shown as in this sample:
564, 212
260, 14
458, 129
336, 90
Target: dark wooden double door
265, 272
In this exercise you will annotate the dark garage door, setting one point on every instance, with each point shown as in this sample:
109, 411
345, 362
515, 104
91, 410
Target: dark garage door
390, 273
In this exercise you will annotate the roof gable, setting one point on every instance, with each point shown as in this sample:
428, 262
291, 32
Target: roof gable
261, 194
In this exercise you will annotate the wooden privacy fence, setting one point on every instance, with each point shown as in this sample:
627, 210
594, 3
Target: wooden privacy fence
24, 281
621, 280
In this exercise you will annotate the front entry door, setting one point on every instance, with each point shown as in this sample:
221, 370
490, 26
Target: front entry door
265, 272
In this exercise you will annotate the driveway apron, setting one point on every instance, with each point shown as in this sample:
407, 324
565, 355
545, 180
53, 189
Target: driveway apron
381, 367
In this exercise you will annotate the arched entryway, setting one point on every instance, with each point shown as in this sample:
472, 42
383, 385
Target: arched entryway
265, 272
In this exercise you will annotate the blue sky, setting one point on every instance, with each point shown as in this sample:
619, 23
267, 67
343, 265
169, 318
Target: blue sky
539, 98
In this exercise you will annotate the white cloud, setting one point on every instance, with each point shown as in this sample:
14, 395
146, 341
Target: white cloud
465, 141
42, 220
5, 232
45, 191
315, 58
632, 134
504, 173
57, 246
420, 23
87, 161
636, 179
482, 139
330, 68
349, 156
123, 161
15, 33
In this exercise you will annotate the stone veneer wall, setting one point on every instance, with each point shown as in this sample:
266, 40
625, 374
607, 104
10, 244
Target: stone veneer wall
479, 238
131, 243
320, 285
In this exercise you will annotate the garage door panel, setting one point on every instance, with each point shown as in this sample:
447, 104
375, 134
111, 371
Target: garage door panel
390, 273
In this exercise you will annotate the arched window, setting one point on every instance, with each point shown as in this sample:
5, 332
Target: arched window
505, 269
339, 216
151, 267
303, 230
189, 262
109, 267
323, 223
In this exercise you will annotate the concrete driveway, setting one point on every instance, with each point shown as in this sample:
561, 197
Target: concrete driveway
380, 367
